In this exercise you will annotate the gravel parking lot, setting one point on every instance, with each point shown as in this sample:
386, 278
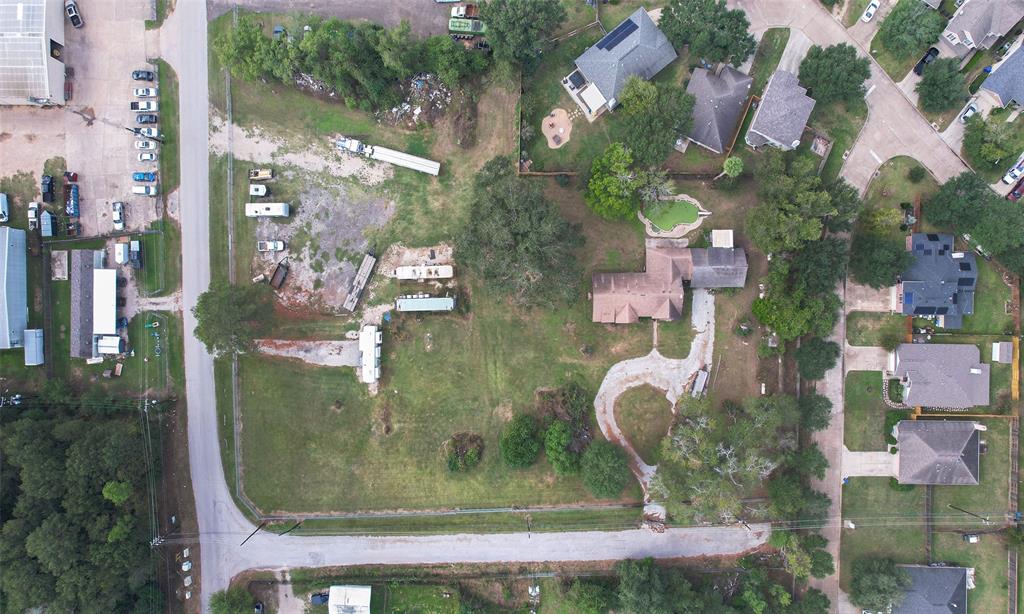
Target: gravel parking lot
89, 133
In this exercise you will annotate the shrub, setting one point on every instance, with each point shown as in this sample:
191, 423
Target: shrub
556, 445
464, 451
891, 418
916, 174
520, 444
605, 469
895, 485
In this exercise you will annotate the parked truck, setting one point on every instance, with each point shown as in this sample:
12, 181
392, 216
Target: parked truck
260, 174
383, 154
467, 26
465, 11
71, 202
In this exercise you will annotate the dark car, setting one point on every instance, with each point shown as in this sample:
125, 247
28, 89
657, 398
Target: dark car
71, 9
121, 302
143, 176
318, 598
1017, 192
122, 322
146, 118
927, 59
47, 188
122, 282
143, 75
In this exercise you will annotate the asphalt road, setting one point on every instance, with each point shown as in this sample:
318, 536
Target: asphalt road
222, 526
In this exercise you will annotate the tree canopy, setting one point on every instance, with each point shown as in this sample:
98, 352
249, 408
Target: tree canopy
710, 28
610, 190
230, 317
942, 87
556, 447
877, 584
654, 116
834, 73
517, 240
876, 260
605, 469
520, 443
910, 27
234, 600
516, 29
816, 356
988, 142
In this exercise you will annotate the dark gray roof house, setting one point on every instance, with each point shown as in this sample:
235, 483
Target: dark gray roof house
942, 375
784, 110
718, 267
934, 590
977, 24
1007, 79
635, 47
938, 452
720, 98
940, 283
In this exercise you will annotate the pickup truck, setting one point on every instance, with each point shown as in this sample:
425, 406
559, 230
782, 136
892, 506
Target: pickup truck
465, 11
280, 274
260, 174
33, 215
145, 106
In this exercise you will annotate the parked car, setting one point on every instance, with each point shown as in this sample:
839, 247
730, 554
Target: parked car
71, 10
118, 215
269, 246
1017, 192
146, 118
147, 156
1013, 174
143, 75
33, 215
145, 92
146, 106
146, 190
5, 212
968, 112
925, 60
318, 598
150, 132
46, 187
143, 176
145, 144
869, 12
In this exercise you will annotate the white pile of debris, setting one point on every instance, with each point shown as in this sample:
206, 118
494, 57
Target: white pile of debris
425, 99
309, 83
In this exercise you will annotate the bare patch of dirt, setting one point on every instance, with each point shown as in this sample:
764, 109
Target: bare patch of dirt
504, 411
425, 99
382, 419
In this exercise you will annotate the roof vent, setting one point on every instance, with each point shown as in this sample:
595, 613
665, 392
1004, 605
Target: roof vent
975, 371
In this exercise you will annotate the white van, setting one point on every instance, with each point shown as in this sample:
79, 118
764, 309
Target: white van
146, 190
257, 189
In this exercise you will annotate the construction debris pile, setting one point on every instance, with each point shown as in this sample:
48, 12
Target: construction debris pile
425, 98
309, 83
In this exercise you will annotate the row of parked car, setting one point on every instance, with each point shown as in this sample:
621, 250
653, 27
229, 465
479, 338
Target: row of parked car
147, 132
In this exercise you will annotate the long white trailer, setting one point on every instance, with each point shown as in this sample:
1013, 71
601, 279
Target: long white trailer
398, 158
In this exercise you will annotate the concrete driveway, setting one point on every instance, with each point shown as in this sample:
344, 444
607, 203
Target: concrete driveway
426, 17
863, 358
954, 133
865, 298
869, 464
863, 32
795, 51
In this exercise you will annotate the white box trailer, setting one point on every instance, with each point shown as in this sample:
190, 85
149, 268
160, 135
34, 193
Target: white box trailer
383, 154
267, 210
425, 271
109, 344
121, 253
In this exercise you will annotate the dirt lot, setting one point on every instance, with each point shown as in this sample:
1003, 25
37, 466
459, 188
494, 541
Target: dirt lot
90, 132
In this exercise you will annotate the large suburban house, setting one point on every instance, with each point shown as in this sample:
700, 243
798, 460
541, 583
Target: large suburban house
31, 52
948, 375
940, 283
13, 288
939, 452
782, 114
657, 293
977, 24
1006, 81
719, 100
635, 47
935, 590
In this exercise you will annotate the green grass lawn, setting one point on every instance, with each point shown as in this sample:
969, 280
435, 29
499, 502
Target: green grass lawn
990, 300
766, 58
668, 214
163, 8
854, 10
988, 558
869, 328
613, 13
676, 337
170, 163
991, 496
864, 413
896, 66
644, 415
889, 524
891, 187
842, 125
578, 14
422, 599
161, 272
478, 370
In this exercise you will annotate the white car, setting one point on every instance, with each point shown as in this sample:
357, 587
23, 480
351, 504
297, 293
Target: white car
968, 112
145, 92
869, 12
33, 214
150, 132
118, 215
147, 156
269, 246
145, 144
1013, 174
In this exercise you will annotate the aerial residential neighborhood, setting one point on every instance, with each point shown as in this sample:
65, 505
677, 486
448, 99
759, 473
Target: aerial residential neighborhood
547, 306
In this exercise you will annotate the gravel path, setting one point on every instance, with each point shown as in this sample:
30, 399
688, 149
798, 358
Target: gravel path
665, 373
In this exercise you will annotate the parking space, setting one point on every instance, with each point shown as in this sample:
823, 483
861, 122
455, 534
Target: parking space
92, 131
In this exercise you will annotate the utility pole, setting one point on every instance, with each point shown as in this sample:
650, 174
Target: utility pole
960, 509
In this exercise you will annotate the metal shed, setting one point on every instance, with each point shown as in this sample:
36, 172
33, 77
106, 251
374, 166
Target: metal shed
33, 347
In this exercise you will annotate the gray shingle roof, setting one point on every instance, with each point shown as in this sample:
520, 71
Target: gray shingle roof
13, 288
718, 267
984, 21
934, 590
938, 452
932, 3
782, 114
643, 52
942, 375
719, 101
83, 263
941, 281
1007, 80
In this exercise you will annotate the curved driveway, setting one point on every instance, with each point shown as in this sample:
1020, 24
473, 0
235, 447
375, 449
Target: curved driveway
222, 527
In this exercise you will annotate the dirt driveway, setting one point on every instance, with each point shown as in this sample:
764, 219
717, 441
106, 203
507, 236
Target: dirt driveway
425, 16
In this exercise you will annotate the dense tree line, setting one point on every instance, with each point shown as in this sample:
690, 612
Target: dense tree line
712, 31
517, 29
75, 510
230, 317
910, 28
364, 62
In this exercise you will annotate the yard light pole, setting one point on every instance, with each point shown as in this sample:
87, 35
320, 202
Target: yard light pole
960, 509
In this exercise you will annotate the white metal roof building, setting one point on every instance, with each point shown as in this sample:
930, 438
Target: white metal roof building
104, 302
370, 339
33, 347
349, 600
31, 51
13, 288
424, 302
426, 271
